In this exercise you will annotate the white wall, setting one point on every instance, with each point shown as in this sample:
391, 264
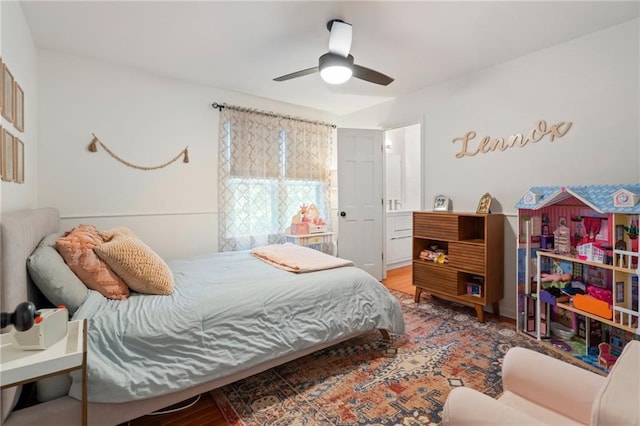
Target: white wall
591, 81
146, 120
19, 54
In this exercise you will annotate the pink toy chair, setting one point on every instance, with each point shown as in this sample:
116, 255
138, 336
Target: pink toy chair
604, 355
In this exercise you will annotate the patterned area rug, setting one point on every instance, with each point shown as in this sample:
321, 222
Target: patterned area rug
367, 381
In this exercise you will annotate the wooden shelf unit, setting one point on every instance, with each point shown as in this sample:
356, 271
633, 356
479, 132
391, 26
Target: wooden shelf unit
474, 244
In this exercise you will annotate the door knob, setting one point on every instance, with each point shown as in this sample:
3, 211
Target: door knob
343, 214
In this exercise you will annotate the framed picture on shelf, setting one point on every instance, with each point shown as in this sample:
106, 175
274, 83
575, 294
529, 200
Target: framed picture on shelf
7, 156
441, 203
7, 94
18, 161
18, 98
484, 204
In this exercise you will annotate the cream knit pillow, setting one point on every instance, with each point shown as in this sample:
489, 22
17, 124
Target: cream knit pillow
139, 266
120, 230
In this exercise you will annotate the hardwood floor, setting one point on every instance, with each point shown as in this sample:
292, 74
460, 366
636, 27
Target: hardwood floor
206, 413
400, 279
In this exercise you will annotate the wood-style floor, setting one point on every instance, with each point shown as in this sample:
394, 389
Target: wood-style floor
400, 279
206, 413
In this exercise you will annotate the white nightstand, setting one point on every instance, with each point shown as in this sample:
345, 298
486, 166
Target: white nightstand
18, 366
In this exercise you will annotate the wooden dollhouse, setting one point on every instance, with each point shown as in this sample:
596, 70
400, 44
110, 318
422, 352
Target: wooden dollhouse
590, 234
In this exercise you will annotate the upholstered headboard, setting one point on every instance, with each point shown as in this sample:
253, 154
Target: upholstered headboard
20, 233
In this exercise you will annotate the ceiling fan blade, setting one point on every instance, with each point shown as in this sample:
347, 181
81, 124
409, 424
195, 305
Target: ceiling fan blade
296, 74
340, 38
370, 75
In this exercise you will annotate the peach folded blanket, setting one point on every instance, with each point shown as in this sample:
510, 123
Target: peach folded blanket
294, 258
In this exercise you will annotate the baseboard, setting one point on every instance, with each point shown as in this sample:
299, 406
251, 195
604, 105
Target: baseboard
397, 265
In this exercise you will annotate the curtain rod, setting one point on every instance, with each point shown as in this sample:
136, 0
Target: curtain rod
219, 107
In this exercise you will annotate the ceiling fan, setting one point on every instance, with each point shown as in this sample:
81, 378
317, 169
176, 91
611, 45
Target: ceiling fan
337, 66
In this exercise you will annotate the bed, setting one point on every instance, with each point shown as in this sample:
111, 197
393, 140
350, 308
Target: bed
293, 315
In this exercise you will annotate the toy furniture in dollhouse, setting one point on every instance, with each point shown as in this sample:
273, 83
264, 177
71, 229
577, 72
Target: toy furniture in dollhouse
591, 252
605, 357
562, 237
595, 246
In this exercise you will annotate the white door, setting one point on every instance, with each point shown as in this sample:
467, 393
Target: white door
360, 198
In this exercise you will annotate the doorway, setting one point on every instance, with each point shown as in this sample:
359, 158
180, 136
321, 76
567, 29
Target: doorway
361, 198
403, 192
374, 232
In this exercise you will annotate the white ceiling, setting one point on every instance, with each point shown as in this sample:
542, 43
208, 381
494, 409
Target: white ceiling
241, 46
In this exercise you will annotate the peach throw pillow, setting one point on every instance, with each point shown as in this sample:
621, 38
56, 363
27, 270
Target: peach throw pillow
76, 248
138, 265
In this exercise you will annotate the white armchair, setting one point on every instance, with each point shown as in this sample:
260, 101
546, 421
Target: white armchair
539, 389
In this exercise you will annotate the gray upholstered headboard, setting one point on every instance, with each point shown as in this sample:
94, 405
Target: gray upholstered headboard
20, 233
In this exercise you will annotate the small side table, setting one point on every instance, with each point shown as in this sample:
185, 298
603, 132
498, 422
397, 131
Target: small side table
18, 366
322, 241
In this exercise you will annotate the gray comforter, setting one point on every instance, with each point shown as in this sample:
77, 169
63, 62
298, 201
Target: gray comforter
228, 312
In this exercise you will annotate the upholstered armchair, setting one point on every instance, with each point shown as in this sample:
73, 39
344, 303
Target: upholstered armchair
539, 389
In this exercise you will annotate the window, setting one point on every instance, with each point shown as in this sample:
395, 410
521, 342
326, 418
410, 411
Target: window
269, 167
255, 204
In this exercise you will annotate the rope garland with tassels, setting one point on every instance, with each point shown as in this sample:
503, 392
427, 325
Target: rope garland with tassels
93, 147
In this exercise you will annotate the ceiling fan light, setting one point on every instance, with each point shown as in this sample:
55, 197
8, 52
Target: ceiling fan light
335, 69
336, 74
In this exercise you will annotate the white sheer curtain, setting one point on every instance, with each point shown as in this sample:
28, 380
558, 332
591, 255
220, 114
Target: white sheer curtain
268, 167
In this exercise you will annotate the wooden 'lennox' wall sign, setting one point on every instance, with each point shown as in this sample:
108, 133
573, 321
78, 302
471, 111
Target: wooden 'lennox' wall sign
488, 144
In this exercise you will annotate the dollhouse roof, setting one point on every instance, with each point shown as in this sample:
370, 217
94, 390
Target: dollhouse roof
598, 197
